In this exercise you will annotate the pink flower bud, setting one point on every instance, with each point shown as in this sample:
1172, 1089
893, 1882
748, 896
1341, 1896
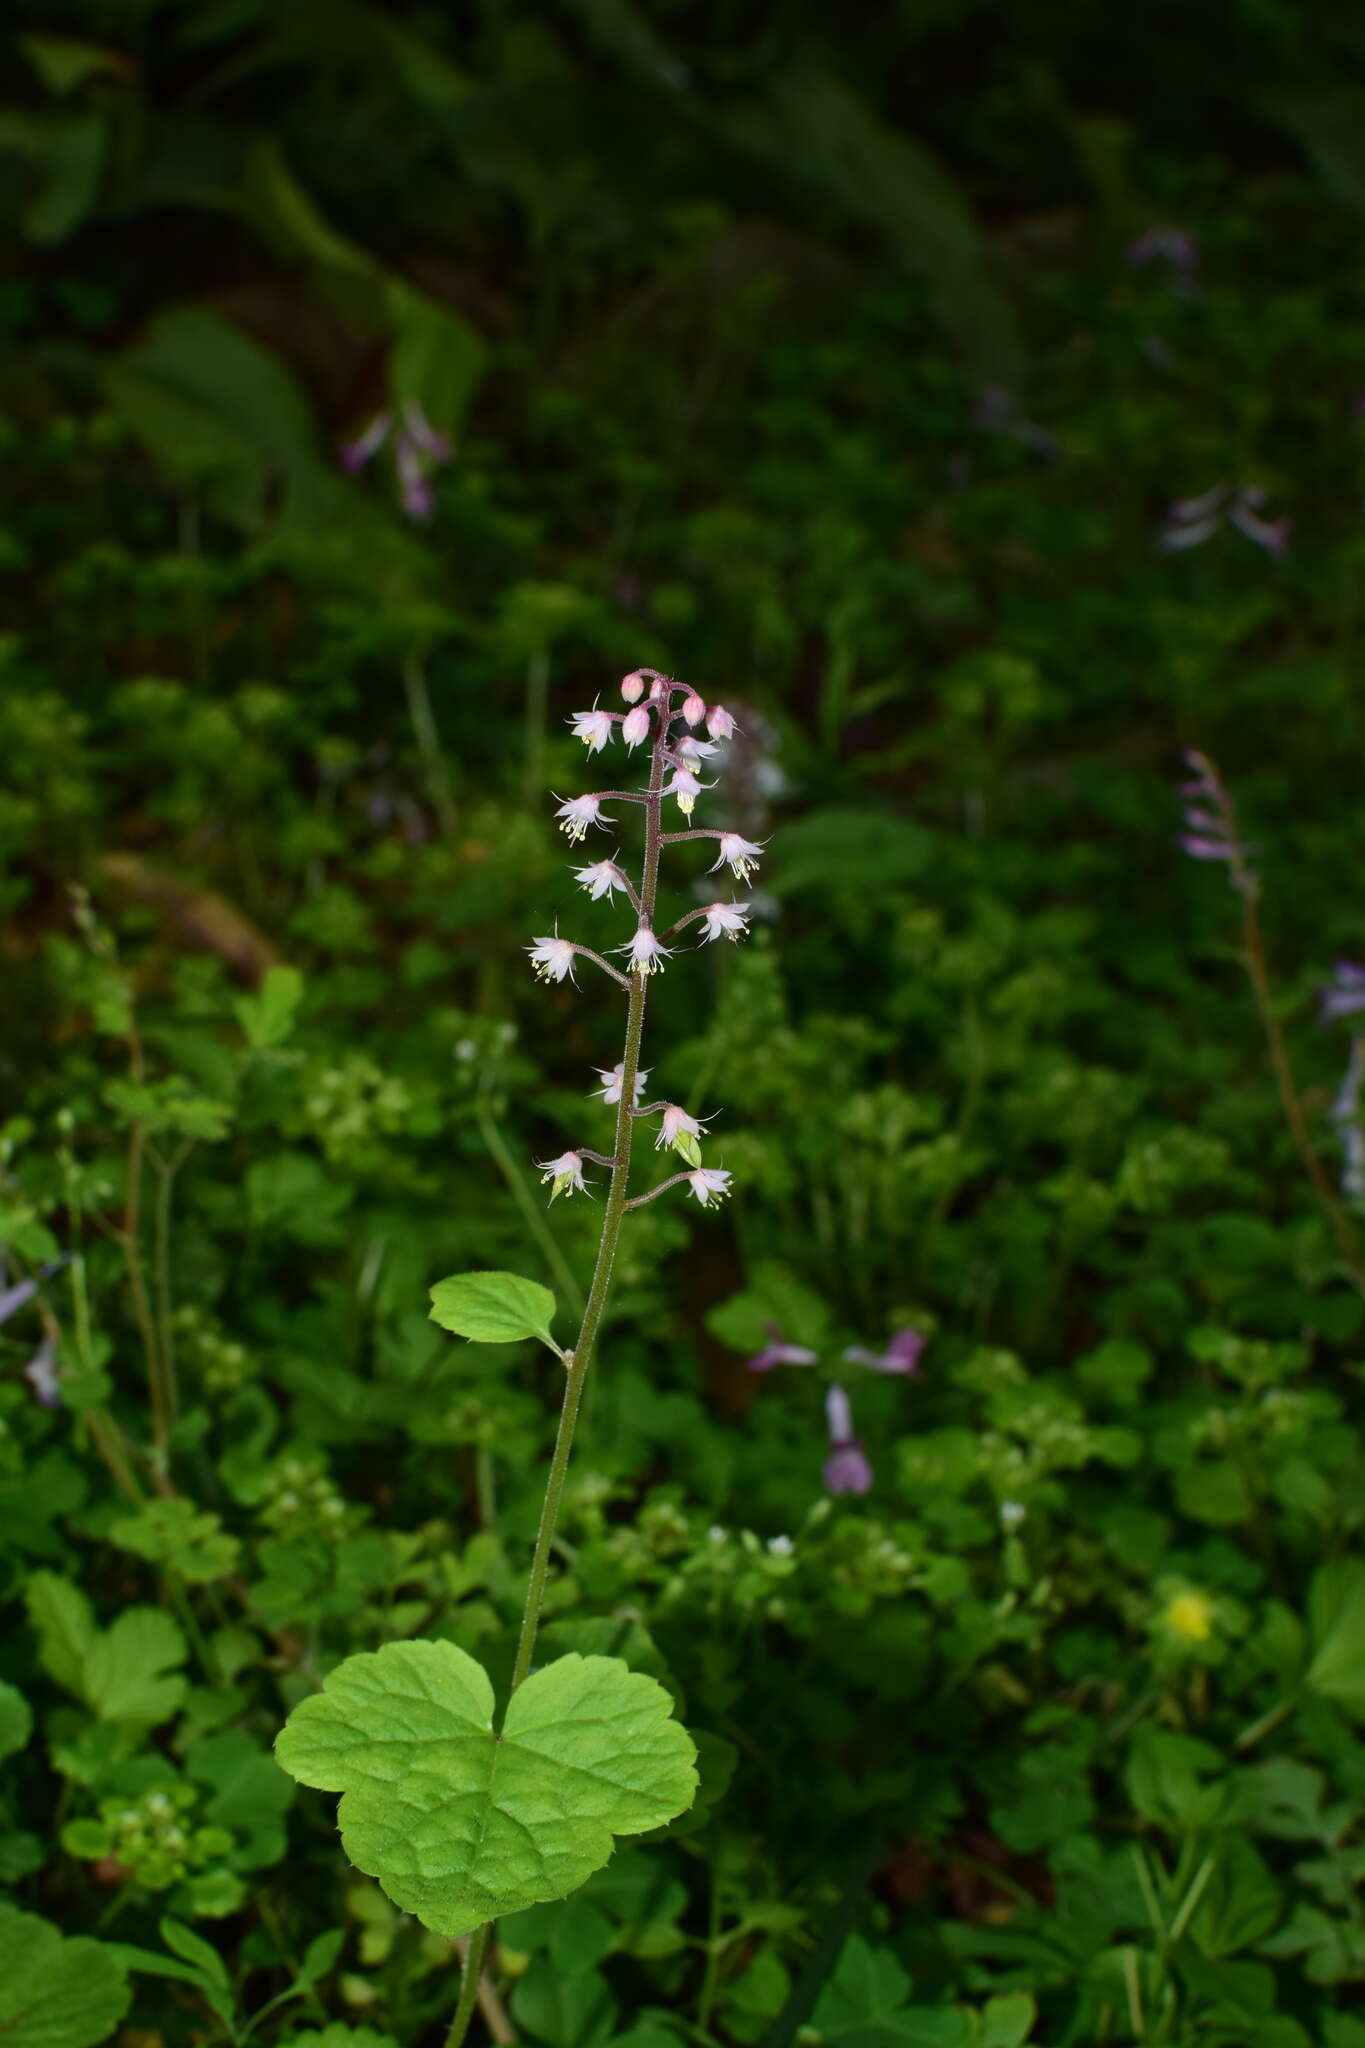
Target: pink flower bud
633, 686
635, 725
693, 710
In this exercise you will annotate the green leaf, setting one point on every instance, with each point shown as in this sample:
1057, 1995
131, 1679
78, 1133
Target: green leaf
16, 1719
461, 1825
178, 1535
63, 63
267, 1016
1336, 1613
564, 2010
194, 1950
60, 1613
56, 1993
251, 1796
126, 1673
494, 1308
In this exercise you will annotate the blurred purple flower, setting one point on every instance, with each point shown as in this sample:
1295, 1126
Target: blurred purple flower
997, 413
1345, 1114
12, 1299
1344, 994
42, 1374
778, 1352
901, 1354
1174, 246
418, 449
846, 1469
1192, 521
1211, 822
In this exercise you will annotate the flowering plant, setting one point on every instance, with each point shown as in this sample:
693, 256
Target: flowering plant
461, 1824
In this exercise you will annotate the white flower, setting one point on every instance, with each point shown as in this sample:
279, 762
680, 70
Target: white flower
600, 878
645, 952
593, 728
709, 1184
781, 1546
566, 1172
693, 752
578, 813
742, 854
731, 919
552, 959
612, 1078
693, 710
1012, 1513
686, 788
719, 723
675, 1123
635, 725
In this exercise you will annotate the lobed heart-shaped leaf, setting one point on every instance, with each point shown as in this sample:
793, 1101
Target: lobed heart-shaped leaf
460, 1824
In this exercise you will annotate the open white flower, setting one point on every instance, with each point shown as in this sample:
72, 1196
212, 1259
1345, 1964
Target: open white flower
612, 1077
742, 854
552, 958
692, 752
578, 813
730, 920
675, 1124
709, 1184
600, 878
593, 728
646, 954
686, 788
566, 1172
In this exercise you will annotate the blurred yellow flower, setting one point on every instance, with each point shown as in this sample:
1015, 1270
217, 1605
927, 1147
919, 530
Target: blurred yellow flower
1190, 1615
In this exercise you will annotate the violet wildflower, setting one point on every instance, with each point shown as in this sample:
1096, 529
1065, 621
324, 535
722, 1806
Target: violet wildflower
709, 1184
43, 1376
1345, 1114
1192, 521
418, 449
900, 1356
593, 728
1211, 822
12, 1299
578, 813
777, 1351
728, 920
552, 958
635, 726
1344, 994
355, 454
601, 878
612, 1077
646, 953
742, 854
846, 1468
566, 1172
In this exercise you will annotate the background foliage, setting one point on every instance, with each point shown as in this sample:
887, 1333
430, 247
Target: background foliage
851, 370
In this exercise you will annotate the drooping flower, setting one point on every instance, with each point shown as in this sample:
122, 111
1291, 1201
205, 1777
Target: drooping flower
719, 723
742, 854
593, 728
646, 953
355, 454
686, 788
1210, 822
635, 725
552, 959
725, 920
900, 1356
709, 1184
566, 1172
418, 449
1344, 994
1345, 1114
578, 813
692, 752
612, 1077
676, 1123
600, 878
777, 1351
1192, 521
846, 1468
693, 709
415, 494
42, 1375
12, 1299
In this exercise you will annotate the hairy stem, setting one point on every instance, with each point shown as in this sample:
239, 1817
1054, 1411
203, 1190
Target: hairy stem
579, 1359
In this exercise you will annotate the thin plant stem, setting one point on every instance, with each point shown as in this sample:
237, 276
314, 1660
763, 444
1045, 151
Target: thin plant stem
1259, 977
579, 1359
428, 741
532, 1216
165, 1189
537, 701
131, 1241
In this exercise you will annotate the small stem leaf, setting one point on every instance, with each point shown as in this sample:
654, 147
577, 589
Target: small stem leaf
461, 1825
494, 1308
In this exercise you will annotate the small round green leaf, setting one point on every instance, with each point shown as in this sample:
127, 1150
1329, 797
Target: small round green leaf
493, 1308
462, 1825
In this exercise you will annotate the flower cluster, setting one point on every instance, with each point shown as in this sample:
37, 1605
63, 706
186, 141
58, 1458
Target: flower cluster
684, 735
418, 451
1211, 823
847, 1469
